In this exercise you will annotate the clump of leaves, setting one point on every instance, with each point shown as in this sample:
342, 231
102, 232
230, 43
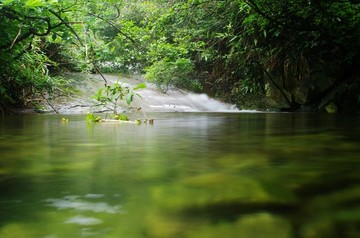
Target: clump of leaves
121, 117
92, 118
178, 74
111, 95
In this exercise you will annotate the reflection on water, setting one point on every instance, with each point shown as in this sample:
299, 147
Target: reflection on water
188, 175
74, 202
81, 220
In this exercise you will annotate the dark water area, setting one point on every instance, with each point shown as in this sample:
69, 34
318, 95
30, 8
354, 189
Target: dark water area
187, 175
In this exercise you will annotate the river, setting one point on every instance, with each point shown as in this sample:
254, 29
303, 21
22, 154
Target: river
188, 175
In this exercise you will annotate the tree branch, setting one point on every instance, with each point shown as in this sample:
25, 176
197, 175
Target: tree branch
117, 28
274, 83
57, 15
292, 21
32, 31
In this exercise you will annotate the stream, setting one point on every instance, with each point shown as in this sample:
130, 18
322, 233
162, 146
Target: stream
197, 172
151, 100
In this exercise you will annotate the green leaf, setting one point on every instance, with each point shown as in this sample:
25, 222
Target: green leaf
65, 35
98, 95
139, 86
232, 39
122, 117
53, 37
129, 98
90, 117
7, 2
34, 3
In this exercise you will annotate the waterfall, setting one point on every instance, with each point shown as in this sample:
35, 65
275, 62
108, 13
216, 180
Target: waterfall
150, 100
180, 101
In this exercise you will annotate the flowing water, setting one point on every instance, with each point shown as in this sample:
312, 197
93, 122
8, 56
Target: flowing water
187, 175
150, 100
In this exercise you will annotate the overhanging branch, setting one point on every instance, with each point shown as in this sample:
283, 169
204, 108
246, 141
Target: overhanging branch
274, 83
67, 24
116, 28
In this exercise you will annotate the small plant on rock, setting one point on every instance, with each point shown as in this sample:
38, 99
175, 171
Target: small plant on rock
111, 95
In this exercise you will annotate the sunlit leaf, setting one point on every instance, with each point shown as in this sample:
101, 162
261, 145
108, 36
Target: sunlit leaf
99, 93
34, 3
122, 117
90, 117
139, 86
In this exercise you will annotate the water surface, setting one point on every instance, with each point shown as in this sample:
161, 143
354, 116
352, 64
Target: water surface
187, 175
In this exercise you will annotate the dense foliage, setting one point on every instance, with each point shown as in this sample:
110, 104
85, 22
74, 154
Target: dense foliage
299, 55
39, 40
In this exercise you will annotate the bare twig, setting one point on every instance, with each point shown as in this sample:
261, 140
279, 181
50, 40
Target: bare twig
15, 39
49, 103
99, 71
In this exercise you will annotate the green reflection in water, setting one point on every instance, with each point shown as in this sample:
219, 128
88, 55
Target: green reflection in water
188, 175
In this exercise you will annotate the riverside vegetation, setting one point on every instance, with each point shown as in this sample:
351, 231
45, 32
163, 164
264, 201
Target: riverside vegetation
110, 95
290, 55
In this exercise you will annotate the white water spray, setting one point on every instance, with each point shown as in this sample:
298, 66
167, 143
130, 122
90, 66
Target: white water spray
152, 100
179, 101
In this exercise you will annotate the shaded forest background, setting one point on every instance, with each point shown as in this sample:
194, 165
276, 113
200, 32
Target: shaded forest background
288, 55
